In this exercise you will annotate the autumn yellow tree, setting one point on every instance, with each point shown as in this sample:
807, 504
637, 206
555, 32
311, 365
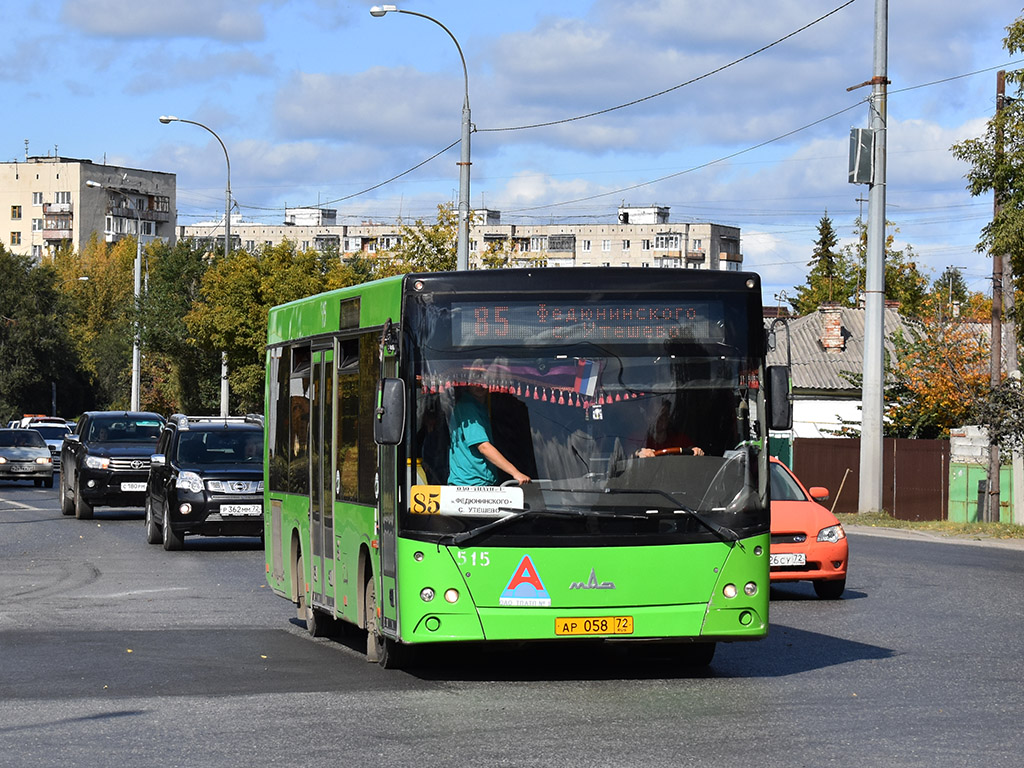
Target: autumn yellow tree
939, 376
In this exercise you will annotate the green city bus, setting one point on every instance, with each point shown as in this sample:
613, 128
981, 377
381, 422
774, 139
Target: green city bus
637, 403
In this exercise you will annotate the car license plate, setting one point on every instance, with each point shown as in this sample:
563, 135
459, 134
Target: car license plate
787, 558
594, 625
133, 487
22, 467
241, 510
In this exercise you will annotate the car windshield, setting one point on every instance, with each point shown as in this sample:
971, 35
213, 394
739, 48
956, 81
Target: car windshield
123, 430
51, 432
784, 488
231, 446
21, 438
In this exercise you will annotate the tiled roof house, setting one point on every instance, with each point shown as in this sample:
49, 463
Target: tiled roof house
827, 346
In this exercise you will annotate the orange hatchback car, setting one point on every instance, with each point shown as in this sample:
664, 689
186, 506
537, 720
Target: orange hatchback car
808, 543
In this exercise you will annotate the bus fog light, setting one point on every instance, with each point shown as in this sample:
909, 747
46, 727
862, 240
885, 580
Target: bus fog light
750, 589
758, 550
730, 590
185, 508
417, 556
426, 594
451, 595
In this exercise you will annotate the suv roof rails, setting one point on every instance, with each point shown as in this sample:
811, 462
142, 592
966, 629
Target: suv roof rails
183, 422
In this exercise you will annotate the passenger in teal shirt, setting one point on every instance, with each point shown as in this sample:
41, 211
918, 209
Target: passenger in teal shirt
472, 457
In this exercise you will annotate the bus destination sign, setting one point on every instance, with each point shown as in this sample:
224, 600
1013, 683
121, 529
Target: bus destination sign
560, 322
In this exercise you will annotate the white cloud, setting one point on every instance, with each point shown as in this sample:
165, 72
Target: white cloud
230, 20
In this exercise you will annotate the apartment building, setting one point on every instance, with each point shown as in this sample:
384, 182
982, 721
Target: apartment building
46, 202
640, 237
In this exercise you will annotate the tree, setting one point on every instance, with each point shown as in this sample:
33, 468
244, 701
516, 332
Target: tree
904, 282
424, 247
235, 297
996, 163
38, 359
833, 275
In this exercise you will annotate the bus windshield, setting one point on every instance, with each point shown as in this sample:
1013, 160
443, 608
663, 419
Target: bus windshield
635, 417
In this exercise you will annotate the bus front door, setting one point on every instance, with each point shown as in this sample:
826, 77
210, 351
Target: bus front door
321, 494
387, 511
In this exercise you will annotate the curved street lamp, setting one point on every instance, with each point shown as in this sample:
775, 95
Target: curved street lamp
462, 251
136, 350
165, 119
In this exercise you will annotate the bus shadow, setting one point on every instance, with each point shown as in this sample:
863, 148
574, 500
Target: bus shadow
786, 651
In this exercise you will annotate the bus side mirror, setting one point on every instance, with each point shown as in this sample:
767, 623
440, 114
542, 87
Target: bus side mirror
389, 417
780, 403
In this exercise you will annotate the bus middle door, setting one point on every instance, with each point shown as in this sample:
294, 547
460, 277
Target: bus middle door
321, 495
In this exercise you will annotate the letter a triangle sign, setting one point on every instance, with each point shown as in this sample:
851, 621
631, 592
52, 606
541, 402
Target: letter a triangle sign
525, 587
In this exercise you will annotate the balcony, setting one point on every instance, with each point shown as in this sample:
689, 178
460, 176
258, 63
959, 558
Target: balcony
57, 208
56, 235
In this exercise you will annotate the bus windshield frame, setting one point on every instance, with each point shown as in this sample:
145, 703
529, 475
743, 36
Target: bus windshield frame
577, 386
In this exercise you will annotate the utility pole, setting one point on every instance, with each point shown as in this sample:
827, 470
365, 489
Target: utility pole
991, 511
870, 498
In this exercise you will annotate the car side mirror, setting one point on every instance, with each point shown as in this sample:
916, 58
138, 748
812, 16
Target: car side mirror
818, 493
72, 438
780, 402
157, 460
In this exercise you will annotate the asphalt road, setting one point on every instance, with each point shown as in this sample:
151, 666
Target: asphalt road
114, 652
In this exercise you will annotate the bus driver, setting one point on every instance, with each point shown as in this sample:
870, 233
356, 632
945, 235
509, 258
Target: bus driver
472, 456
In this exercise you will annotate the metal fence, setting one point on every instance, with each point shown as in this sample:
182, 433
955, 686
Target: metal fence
915, 474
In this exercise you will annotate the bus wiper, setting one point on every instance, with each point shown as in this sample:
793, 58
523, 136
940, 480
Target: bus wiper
721, 531
465, 536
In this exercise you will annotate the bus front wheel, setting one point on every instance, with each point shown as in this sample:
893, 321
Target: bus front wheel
387, 652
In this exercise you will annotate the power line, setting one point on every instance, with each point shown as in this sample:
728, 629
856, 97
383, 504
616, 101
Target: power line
706, 75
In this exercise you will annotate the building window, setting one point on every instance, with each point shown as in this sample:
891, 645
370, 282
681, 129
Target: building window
538, 243
15, 211
37, 198
37, 251
698, 245
645, 263
268, 243
606, 245
62, 197
666, 242
625, 245
37, 225
585, 246
645, 245
15, 238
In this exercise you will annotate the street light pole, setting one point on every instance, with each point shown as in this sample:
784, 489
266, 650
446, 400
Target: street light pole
136, 347
165, 119
462, 249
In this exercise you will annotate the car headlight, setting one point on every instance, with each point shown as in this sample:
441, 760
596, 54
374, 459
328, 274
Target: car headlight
97, 462
189, 481
832, 534
3, 459
44, 460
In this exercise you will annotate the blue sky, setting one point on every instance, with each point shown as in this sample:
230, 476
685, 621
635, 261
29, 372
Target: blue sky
317, 101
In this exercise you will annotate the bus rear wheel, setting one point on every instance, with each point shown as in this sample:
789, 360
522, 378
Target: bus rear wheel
698, 654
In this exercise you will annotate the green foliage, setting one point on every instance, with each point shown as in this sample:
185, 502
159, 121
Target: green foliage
833, 275
904, 282
38, 358
425, 247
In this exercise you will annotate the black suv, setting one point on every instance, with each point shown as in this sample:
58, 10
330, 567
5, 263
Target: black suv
206, 478
105, 461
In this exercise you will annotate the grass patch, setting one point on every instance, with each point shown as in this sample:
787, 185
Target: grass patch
943, 527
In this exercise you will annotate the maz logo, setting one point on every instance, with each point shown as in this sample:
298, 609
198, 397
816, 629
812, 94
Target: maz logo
592, 583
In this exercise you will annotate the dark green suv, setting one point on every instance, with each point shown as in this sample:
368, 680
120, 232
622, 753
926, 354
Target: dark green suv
206, 478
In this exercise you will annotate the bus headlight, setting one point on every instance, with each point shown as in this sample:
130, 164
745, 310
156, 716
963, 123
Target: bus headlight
451, 595
730, 591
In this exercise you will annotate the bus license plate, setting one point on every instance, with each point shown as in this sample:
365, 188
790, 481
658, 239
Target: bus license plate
786, 558
595, 625
241, 510
133, 487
